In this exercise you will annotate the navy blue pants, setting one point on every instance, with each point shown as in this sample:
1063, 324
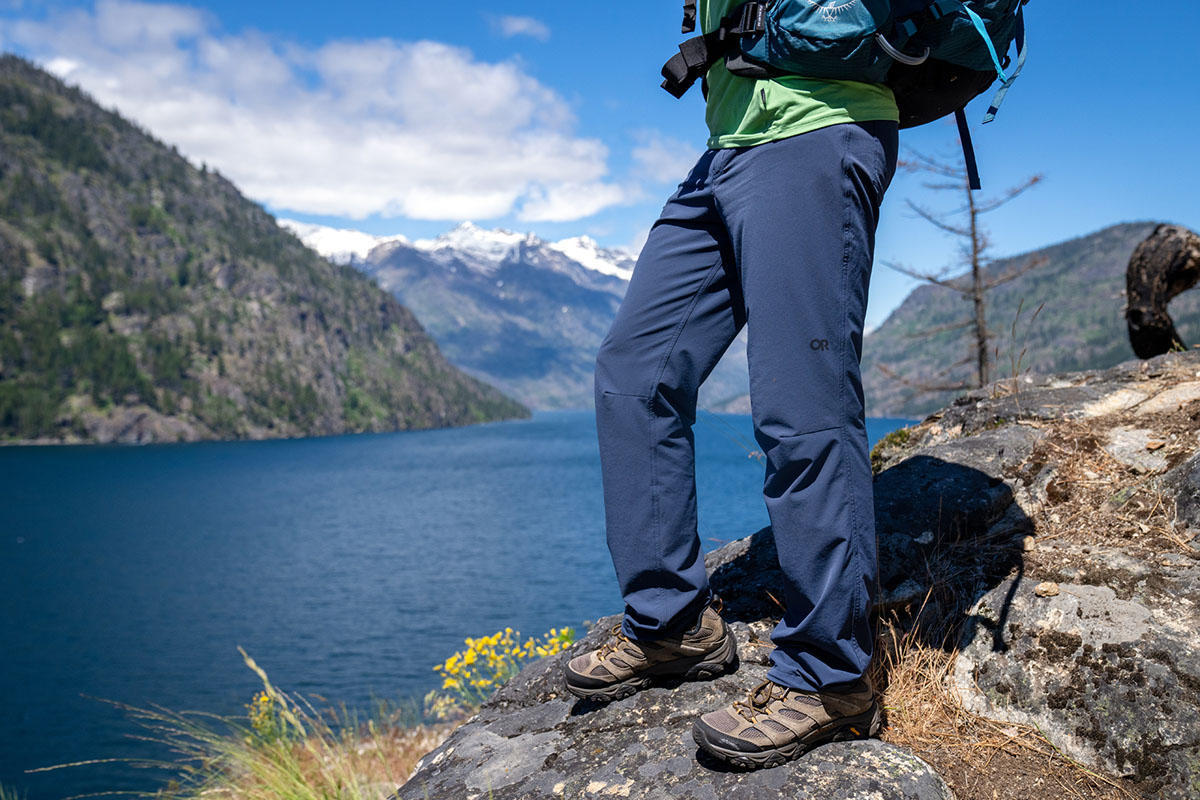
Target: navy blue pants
778, 237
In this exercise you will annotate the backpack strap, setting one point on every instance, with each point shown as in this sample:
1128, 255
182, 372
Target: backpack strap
942, 7
976, 20
1022, 50
964, 136
697, 55
689, 16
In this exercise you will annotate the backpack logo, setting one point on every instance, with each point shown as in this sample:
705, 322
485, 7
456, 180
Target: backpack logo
830, 9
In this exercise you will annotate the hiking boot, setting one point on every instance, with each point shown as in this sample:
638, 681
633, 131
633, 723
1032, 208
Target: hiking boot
622, 666
776, 724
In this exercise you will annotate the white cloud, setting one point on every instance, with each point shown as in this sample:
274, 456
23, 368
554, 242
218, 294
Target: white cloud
523, 26
351, 128
570, 201
662, 158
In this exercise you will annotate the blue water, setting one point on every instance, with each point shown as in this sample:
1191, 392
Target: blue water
346, 567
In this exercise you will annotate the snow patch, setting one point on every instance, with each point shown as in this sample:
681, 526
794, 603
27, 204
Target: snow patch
483, 249
585, 251
339, 245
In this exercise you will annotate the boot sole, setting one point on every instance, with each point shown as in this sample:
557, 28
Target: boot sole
847, 729
717, 662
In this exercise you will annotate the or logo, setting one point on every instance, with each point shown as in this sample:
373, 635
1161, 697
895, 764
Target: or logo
819, 344
831, 9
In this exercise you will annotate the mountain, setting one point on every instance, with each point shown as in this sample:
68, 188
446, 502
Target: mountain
528, 315
522, 313
1081, 326
142, 299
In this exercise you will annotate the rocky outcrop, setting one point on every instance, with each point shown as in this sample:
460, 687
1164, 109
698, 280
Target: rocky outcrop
1183, 483
1050, 523
533, 740
1095, 638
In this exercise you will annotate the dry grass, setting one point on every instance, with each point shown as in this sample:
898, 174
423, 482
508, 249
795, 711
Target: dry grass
286, 749
1096, 501
368, 764
980, 759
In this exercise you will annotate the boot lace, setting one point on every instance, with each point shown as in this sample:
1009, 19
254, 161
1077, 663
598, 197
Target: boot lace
759, 699
617, 640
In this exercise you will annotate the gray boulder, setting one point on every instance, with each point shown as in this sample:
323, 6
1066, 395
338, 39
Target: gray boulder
1183, 483
1109, 673
948, 492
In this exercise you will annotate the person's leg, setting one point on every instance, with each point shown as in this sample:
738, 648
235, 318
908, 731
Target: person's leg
681, 311
802, 214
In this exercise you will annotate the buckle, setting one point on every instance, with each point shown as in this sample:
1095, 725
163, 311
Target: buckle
753, 19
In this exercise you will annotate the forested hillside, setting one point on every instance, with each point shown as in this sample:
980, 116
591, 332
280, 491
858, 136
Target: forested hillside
143, 299
1081, 326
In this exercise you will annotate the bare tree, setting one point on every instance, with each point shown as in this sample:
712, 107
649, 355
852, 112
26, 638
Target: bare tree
963, 223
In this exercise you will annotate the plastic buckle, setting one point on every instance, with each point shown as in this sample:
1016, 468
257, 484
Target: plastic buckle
937, 11
754, 19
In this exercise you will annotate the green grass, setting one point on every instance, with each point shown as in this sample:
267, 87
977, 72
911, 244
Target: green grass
897, 438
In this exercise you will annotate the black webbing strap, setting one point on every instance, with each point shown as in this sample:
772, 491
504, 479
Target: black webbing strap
692, 62
964, 135
689, 16
698, 54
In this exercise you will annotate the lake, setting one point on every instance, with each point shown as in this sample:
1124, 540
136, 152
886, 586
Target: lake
346, 566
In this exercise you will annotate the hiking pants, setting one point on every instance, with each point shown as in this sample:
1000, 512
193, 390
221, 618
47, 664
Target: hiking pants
778, 237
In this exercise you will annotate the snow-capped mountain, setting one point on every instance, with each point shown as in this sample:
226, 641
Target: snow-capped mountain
522, 313
585, 251
481, 249
339, 246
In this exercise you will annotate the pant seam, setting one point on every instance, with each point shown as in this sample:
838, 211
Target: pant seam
662, 367
843, 339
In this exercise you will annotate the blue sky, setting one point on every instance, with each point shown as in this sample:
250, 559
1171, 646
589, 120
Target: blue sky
405, 117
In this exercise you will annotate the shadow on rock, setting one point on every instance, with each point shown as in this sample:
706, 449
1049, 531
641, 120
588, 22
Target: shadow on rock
947, 534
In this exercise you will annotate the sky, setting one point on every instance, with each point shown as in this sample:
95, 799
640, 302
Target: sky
546, 117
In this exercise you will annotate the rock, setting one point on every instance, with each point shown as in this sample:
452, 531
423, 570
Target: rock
1183, 482
946, 492
1120, 400
941, 493
137, 424
533, 740
1110, 676
1046, 589
1172, 399
1132, 447
1073, 395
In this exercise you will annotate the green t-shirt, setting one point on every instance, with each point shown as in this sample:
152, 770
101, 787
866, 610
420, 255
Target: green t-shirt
744, 111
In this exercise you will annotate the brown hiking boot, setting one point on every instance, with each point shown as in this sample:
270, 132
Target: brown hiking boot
776, 724
622, 666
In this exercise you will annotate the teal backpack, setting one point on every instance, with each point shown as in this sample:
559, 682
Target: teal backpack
936, 55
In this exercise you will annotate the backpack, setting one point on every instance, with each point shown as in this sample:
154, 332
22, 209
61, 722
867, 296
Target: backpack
936, 55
